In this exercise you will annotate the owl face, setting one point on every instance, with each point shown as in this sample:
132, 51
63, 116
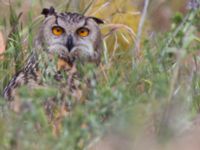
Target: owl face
71, 35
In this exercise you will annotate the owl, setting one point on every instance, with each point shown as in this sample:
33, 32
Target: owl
65, 39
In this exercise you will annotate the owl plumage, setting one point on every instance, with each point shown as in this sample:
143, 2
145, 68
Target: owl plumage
69, 38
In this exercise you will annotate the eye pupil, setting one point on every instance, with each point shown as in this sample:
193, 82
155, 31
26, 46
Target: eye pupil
83, 32
57, 31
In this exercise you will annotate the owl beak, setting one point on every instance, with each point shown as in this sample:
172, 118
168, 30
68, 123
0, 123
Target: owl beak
70, 43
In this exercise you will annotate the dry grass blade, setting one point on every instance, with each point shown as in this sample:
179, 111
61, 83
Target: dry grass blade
66, 4
115, 27
136, 49
134, 13
105, 51
125, 38
88, 7
103, 70
116, 45
101, 8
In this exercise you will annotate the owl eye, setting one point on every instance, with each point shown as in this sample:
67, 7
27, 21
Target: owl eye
83, 32
57, 31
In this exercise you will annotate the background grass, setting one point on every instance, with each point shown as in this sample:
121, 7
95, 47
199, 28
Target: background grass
160, 95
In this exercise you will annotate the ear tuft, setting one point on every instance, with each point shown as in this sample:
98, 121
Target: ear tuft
97, 20
48, 11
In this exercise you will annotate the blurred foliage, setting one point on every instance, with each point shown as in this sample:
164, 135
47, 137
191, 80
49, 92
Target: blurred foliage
162, 91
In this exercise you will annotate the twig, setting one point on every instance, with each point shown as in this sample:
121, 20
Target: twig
136, 49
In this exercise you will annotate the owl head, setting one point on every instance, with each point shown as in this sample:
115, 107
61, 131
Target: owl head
71, 36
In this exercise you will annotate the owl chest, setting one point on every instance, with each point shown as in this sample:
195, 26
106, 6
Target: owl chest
64, 77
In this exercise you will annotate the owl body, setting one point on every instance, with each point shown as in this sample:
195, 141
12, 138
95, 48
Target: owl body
64, 39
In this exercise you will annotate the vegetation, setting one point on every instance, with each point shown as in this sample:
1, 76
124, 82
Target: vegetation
160, 91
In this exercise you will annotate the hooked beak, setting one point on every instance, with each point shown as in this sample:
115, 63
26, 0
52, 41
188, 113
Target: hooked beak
70, 43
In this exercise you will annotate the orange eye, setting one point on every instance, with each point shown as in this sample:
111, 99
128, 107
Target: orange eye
57, 31
83, 32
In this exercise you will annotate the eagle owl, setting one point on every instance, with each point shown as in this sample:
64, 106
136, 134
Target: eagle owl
68, 38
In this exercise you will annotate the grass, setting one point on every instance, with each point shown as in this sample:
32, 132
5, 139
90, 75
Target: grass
163, 88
